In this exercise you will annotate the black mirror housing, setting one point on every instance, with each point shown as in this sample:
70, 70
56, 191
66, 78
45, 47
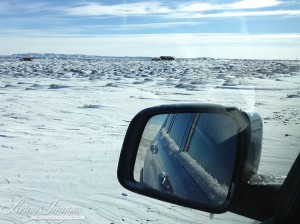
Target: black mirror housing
240, 164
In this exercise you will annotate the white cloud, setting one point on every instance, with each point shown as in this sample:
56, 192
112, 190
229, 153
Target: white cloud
244, 4
76, 31
254, 4
156, 8
295, 13
94, 9
152, 8
195, 7
142, 26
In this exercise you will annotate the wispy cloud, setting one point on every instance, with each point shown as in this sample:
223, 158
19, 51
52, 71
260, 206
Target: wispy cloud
241, 5
170, 9
93, 30
238, 14
133, 9
254, 4
143, 26
188, 9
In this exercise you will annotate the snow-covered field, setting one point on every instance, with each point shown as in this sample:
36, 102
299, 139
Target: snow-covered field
63, 122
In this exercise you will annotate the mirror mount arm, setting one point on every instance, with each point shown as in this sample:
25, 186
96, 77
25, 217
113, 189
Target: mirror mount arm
254, 201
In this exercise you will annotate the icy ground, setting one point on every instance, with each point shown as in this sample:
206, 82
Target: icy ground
63, 122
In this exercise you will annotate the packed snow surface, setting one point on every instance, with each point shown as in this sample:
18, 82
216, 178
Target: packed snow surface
63, 121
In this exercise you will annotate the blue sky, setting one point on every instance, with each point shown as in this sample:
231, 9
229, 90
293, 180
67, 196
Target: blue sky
228, 29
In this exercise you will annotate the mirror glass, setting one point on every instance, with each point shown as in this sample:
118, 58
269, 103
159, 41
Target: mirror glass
189, 155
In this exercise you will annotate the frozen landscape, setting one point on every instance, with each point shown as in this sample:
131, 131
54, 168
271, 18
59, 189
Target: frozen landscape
63, 120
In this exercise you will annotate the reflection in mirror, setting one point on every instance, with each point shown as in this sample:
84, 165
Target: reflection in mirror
189, 155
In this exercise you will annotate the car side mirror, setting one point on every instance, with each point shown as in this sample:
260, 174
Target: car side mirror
190, 155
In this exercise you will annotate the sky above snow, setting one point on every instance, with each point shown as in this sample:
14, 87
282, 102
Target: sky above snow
228, 29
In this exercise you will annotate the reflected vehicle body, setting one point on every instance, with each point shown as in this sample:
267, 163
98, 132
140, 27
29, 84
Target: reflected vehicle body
192, 156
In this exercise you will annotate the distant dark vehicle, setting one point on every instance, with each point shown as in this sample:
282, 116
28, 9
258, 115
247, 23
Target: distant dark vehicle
167, 58
26, 59
155, 59
163, 58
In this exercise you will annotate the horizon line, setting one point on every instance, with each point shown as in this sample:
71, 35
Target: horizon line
148, 57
